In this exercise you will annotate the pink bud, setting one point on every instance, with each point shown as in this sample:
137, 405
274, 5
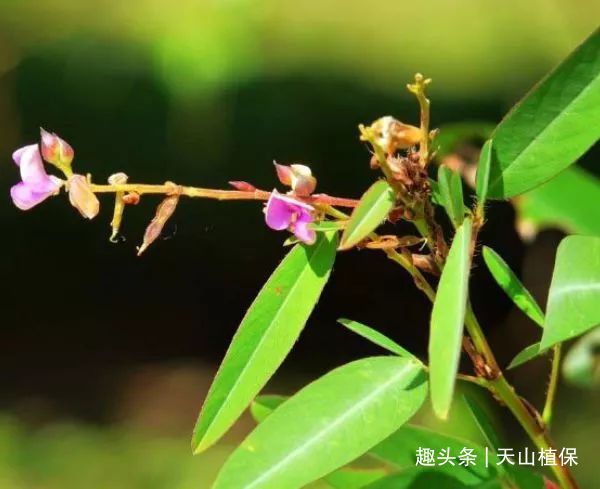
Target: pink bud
299, 177
56, 150
242, 186
284, 173
82, 197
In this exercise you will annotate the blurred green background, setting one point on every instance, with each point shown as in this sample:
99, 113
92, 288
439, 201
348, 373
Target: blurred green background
104, 357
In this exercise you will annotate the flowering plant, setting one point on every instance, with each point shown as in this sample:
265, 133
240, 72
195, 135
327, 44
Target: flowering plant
363, 407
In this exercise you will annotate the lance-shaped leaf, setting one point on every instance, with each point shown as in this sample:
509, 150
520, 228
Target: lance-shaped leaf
582, 363
551, 127
450, 187
375, 337
482, 178
513, 287
327, 424
447, 319
483, 421
528, 353
265, 336
575, 290
564, 202
399, 449
371, 211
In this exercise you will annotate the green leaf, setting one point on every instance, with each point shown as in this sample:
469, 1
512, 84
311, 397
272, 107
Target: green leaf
266, 335
399, 449
482, 178
447, 319
264, 405
375, 337
327, 424
450, 186
564, 202
354, 478
581, 366
326, 226
452, 135
575, 290
419, 478
513, 287
551, 127
371, 211
528, 353
483, 421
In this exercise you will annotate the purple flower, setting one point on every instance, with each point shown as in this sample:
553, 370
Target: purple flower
36, 184
284, 212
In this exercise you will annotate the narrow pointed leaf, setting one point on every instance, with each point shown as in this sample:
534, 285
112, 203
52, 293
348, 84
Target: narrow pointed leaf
483, 422
551, 127
513, 287
564, 203
371, 211
482, 179
582, 363
376, 337
528, 353
575, 290
327, 424
450, 186
447, 319
354, 478
399, 449
266, 335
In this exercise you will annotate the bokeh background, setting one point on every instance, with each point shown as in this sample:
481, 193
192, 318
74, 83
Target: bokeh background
105, 357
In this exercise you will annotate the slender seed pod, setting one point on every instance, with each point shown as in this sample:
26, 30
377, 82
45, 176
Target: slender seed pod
163, 212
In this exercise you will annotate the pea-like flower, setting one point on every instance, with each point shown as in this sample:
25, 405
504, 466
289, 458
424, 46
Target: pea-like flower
36, 185
56, 150
283, 212
299, 177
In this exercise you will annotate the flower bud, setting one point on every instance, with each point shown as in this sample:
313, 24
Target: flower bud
82, 197
298, 177
392, 135
56, 150
118, 178
242, 186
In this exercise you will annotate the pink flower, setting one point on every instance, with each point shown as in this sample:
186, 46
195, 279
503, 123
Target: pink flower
36, 184
284, 212
56, 150
299, 177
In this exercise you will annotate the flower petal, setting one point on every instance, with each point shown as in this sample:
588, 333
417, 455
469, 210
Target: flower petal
19, 153
303, 233
278, 213
25, 197
82, 197
32, 167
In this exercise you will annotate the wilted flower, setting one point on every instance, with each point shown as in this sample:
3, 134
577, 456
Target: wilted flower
36, 184
82, 197
299, 177
56, 150
283, 212
392, 135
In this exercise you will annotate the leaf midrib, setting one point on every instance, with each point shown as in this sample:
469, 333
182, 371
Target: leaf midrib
331, 426
507, 170
360, 224
260, 342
